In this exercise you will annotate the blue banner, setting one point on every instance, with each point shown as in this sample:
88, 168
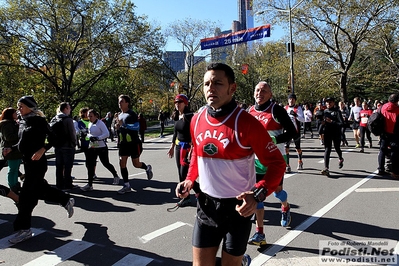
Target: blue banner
236, 37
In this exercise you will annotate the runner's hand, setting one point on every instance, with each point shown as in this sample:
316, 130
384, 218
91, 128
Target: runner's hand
249, 204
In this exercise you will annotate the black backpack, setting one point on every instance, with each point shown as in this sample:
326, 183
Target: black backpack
58, 135
376, 123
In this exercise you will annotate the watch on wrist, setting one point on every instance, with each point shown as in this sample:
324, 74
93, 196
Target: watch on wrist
259, 194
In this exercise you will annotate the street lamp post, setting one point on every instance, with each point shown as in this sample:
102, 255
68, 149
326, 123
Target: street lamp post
290, 45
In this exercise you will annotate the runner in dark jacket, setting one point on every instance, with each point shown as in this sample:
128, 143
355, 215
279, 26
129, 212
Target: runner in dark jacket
332, 124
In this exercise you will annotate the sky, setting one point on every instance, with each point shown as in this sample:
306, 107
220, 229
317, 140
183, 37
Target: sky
165, 12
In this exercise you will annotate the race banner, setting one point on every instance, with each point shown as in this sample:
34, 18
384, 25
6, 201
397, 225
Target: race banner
236, 37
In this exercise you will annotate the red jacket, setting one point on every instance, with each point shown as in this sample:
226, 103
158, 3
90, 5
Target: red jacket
390, 111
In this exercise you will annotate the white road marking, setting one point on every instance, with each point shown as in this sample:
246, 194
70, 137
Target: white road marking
289, 175
61, 254
287, 238
154, 189
381, 189
161, 231
133, 260
142, 173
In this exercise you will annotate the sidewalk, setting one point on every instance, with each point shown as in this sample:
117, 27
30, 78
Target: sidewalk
157, 127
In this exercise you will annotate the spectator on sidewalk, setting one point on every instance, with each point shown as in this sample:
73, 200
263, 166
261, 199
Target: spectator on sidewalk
390, 111
161, 119
143, 126
108, 122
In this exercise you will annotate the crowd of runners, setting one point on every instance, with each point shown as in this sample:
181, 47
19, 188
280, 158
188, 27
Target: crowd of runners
233, 158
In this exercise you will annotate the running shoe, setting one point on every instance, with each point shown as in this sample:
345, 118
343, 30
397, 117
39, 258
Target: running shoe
22, 235
257, 239
285, 218
88, 187
382, 172
116, 180
125, 189
357, 145
184, 202
361, 150
325, 172
288, 169
69, 207
341, 163
371, 145
300, 165
94, 177
395, 176
149, 172
246, 260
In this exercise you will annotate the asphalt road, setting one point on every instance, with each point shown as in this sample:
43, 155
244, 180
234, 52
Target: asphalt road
136, 228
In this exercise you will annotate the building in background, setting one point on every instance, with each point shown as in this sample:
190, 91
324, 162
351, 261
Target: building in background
220, 54
175, 60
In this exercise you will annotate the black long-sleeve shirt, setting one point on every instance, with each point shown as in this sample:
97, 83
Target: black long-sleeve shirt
337, 120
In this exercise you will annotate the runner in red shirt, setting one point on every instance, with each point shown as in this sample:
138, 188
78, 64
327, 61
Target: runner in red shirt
225, 140
364, 115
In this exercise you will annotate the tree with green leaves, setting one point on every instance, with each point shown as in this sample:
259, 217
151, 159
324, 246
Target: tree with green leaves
188, 32
338, 28
74, 44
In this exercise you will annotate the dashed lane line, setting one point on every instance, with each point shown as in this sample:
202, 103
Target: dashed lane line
161, 231
133, 260
380, 189
61, 254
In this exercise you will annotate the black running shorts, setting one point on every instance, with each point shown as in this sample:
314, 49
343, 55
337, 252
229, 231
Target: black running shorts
218, 220
132, 149
355, 125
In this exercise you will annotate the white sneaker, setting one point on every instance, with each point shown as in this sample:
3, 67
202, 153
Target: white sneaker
21, 235
116, 180
69, 207
87, 188
125, 189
